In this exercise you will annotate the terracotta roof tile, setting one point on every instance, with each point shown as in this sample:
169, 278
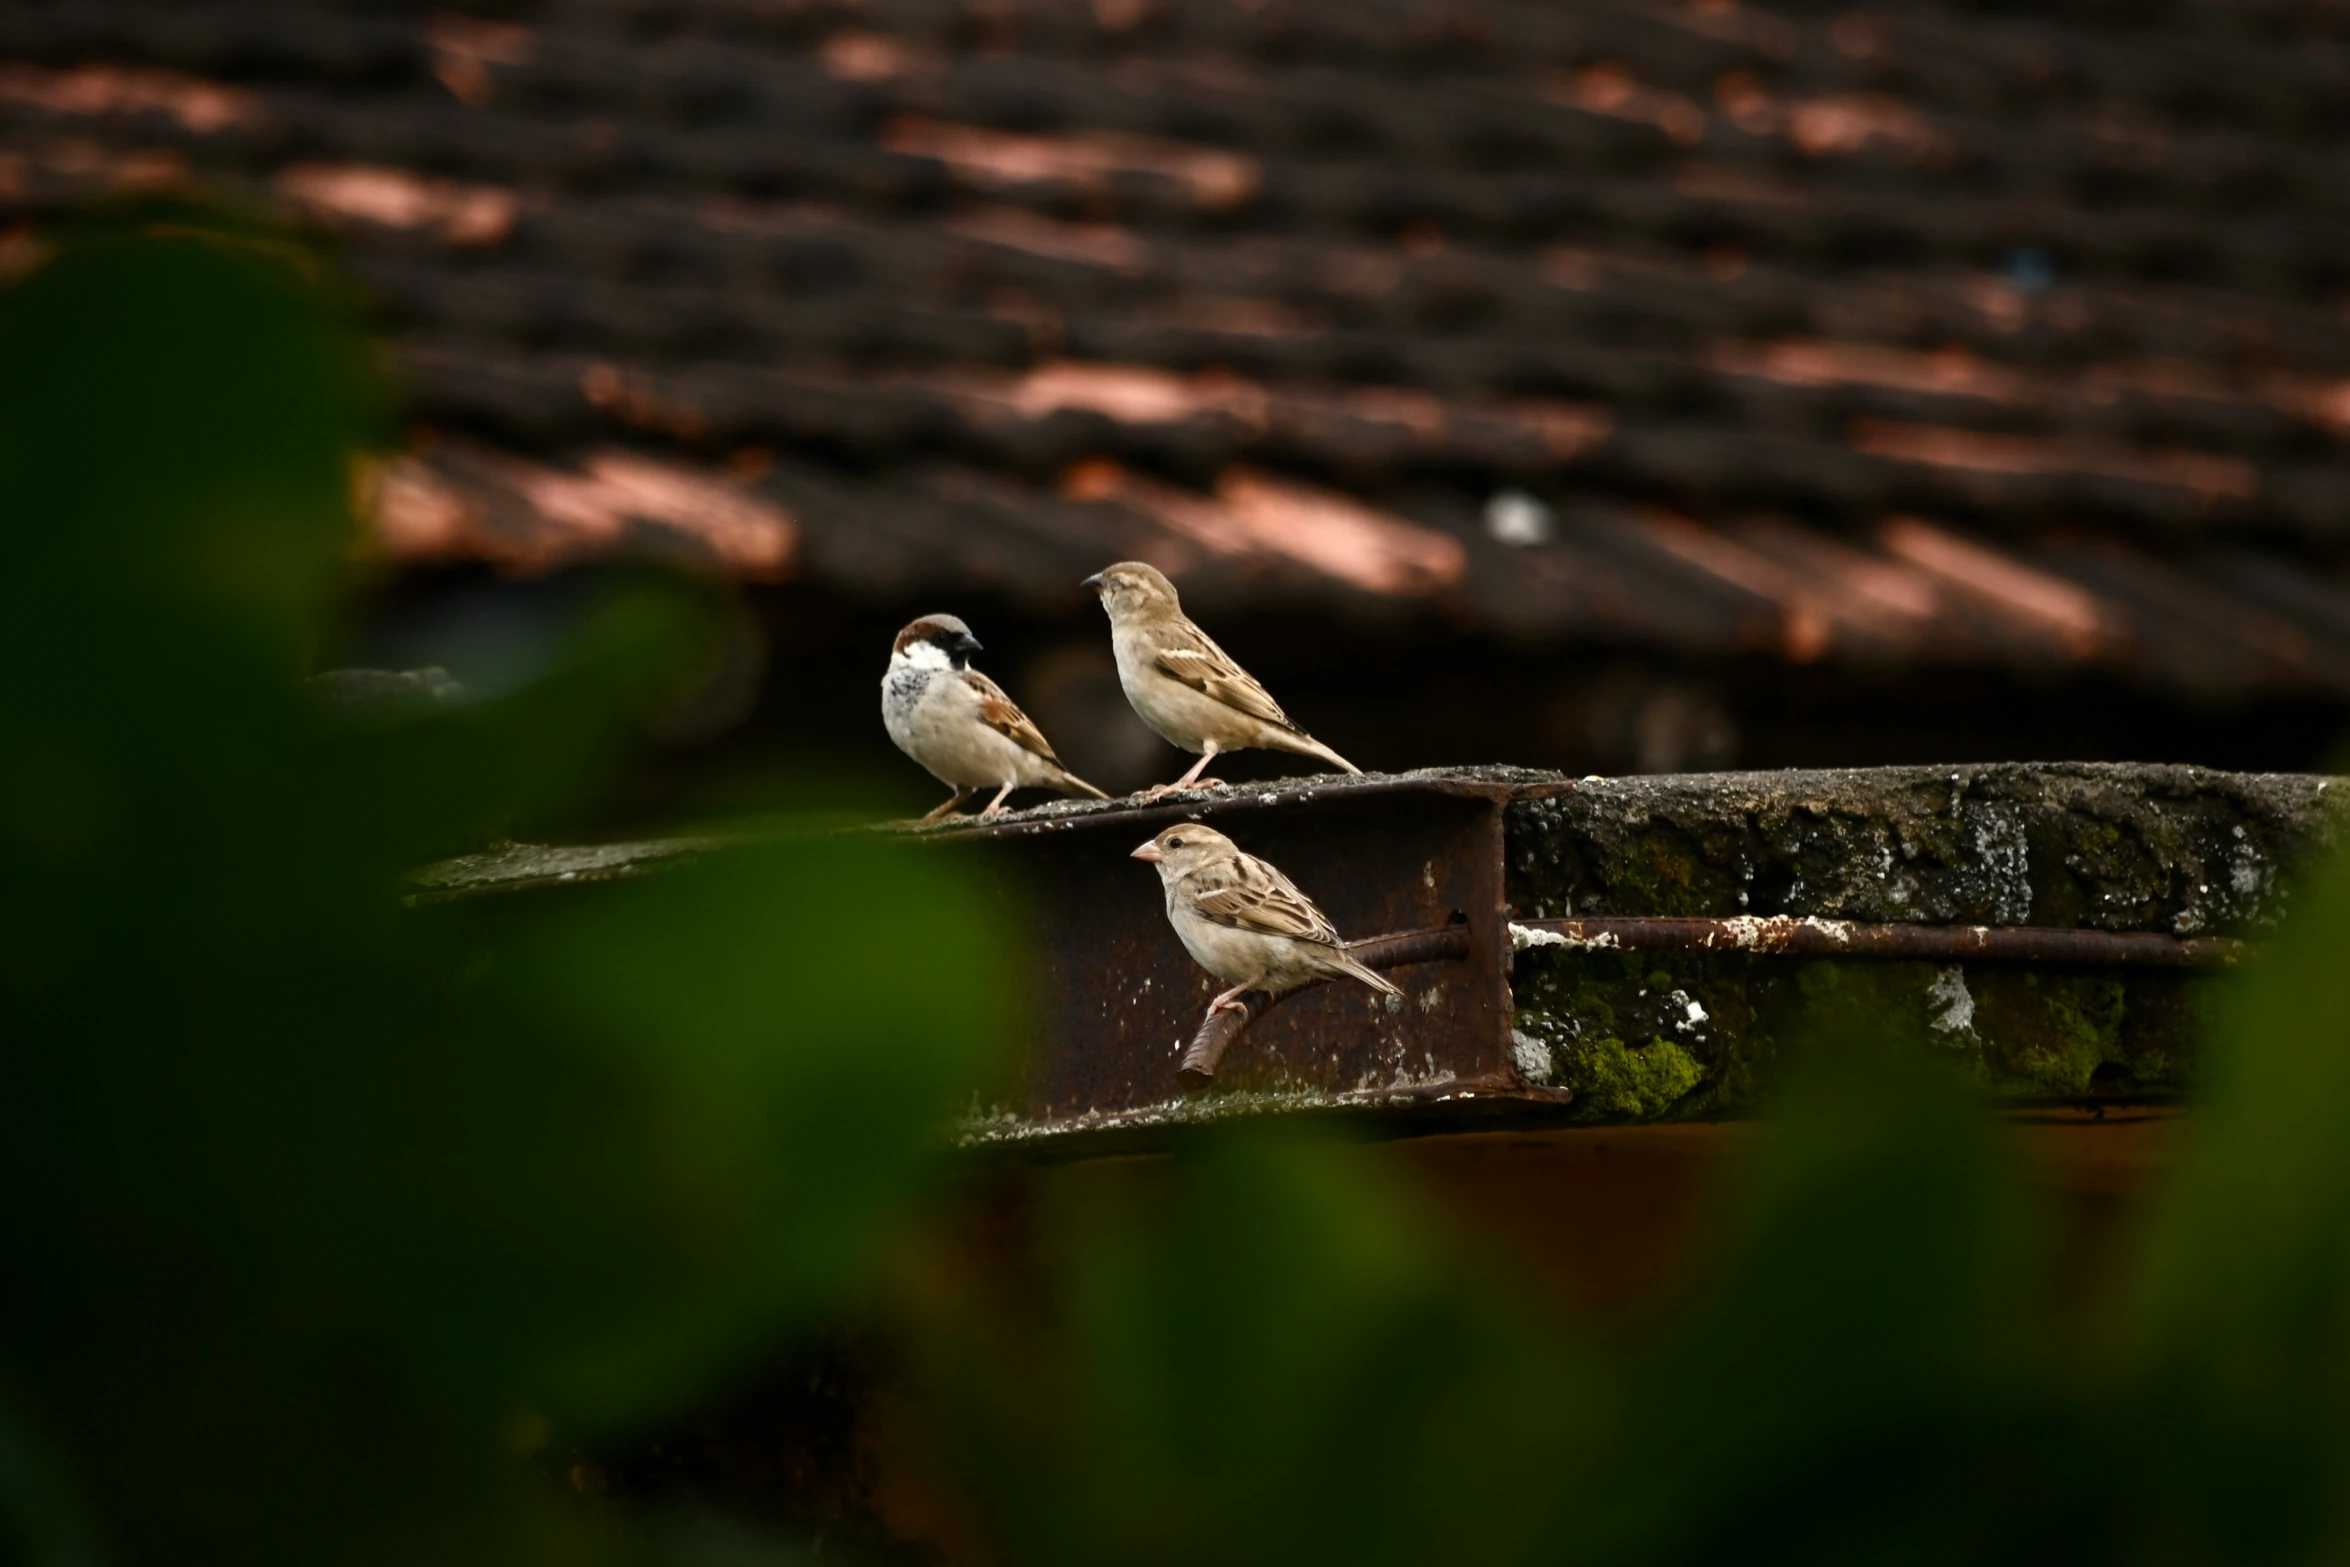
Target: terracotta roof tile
1285, 293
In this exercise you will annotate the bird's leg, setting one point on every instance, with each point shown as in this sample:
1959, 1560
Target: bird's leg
995, 807
1230, 1001
1190, 780
947, 807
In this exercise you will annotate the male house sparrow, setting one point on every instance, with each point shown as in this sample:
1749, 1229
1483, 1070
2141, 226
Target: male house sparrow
1245, 922
959, 724
1184, 686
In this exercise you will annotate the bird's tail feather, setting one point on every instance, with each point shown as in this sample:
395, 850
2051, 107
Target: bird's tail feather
1070, 783
1371, 977
1306, 745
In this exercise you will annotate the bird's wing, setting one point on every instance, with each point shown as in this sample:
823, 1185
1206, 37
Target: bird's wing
1000, 713
1247, 894
1184, 653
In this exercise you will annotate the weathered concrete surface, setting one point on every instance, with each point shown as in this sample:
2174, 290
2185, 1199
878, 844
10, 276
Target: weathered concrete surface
2101, 846
1646, 1036
2176, 850
515, 867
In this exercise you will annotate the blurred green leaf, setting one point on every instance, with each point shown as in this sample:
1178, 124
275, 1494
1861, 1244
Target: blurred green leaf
2238, 1337
303, 1192
1255, 1355
1869, 1332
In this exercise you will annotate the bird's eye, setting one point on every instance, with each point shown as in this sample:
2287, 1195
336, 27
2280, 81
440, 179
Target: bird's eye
1174, 843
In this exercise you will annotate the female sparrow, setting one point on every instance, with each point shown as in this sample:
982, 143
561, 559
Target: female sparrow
1184, 686
1245, 922
959, 724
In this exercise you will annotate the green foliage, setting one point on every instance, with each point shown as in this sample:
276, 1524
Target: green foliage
1268, 1352
305, 1195
1259, 1356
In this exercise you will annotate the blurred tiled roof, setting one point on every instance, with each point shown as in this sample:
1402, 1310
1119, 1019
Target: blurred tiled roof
1998, 336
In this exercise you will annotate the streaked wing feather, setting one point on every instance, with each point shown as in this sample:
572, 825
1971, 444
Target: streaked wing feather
1247, 894
1000, 713
1187, 654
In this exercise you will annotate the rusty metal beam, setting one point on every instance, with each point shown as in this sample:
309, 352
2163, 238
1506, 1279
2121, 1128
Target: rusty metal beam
1772, 935
1444, 944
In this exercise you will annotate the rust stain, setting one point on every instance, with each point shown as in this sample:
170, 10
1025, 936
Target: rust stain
1885, 596
852, 55
1252, 513
2024, 454
2070, 614
1611, 89
751, 536
1133, 394
1339, 535
1831, 125
464, 48
395, 198
198, 105
1813, 362
1144, 395
1088, 159
1806, 618
1099, 244
421, 512
1808, 936
2206, 474
417, 514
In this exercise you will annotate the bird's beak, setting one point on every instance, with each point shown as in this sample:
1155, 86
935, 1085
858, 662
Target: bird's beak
1149, 853
969, 644
1092, 584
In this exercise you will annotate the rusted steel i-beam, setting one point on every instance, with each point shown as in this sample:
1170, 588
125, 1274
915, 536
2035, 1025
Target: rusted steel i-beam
1515, 1013
1808, 937
1445, 944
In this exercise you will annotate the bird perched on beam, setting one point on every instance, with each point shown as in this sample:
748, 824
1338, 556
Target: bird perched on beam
1184, 686
959, 724
1245, 922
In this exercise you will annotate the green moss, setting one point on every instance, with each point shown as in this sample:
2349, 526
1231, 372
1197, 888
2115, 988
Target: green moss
2085, 1017
1613, 1081
1614, 1024
2052, 1032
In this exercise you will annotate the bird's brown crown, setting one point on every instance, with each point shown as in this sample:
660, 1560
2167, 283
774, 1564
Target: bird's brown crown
930, 628
1187, 844
1134, 587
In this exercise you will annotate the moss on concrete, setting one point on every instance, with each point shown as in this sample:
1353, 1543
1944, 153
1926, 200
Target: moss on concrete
2177, 849
1619, 1082
2173, 849
1619, 1027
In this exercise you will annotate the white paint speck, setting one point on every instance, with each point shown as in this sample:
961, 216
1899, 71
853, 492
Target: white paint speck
2000, 848
1531, 1055
1952, 1003
1518, 519
1525, 936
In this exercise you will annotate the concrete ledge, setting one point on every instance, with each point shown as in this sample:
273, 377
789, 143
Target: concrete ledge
1539, 1030
2096, 846
2178, 851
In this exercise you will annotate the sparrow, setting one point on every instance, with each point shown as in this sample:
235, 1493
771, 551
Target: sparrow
1245, 922
959, 724
1184, 686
